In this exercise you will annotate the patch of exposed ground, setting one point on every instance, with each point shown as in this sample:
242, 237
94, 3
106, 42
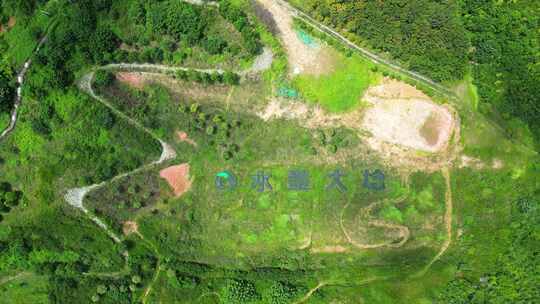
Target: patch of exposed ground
402, 115
437, 128
133, 79
130, 227
11, 23
178, 178
190, 90
329, 249
262, 62
477, 164
303, 58
183, 137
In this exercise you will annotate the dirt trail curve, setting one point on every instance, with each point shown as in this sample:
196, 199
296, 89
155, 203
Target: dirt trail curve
75, 196
404, 232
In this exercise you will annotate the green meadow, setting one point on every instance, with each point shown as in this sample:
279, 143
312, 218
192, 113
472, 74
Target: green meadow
342, 89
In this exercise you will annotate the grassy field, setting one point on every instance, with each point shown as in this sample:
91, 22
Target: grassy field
246, 229
24, 288
342, 89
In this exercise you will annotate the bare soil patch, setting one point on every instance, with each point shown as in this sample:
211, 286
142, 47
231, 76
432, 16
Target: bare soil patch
11, 23
183, 137
178, 178
133, 79
129, 227
329, 249
303, 58
402, 115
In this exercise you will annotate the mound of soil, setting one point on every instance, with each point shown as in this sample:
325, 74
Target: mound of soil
178, 178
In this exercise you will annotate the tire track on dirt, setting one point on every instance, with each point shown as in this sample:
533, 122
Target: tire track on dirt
403, 230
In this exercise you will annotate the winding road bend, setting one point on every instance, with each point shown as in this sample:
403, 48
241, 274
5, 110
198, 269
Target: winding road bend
18, 97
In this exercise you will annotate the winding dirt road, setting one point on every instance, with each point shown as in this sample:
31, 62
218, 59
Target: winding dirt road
18, 97
404, 232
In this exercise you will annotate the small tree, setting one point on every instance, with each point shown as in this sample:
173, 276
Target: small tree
171, 273
231, 78
333, 148
101, 289
211, 130
194, 108
103, 78
11, 199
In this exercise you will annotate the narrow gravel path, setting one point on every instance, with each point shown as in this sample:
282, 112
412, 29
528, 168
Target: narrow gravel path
75, 196
18, 97
403, 230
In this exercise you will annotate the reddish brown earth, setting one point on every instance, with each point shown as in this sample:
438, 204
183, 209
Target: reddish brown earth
178, 178
132, 79
183, 137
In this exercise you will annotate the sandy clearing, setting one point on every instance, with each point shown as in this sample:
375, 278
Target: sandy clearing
329, 249
133, 79
400, 114
466, 161
262, 62
129, 227
11, 23
183, 137
394, 152
178, 178
303, 58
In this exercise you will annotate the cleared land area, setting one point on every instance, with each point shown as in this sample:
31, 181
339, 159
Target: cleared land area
400, 114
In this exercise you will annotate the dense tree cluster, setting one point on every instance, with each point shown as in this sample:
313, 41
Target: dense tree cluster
426, 35
9, 198
241, 22
227, 77
19, 8
506, 56
240, 291
514, 277
6, 89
